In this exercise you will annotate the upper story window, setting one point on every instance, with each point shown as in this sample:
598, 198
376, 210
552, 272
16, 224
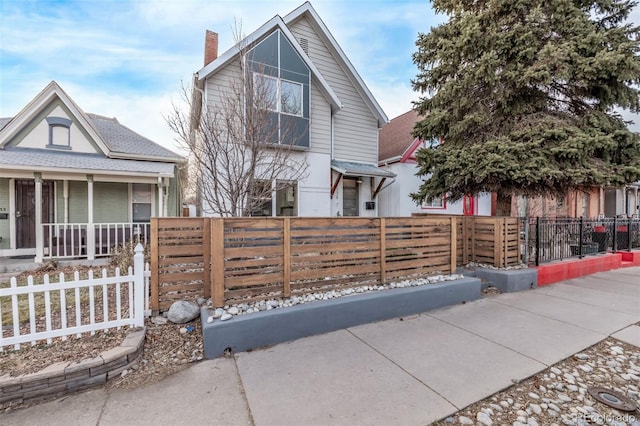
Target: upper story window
279, 95
59, 132
281, 85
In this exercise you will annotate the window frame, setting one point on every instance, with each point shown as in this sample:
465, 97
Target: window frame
151, 202
273, 199
259, 79
59, 123
429, 206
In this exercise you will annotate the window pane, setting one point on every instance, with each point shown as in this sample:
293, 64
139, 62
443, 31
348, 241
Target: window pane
141, 202
60, 135
434, 202
141, 193
141, 212
261, 199
291, 97
265, 90
286, 199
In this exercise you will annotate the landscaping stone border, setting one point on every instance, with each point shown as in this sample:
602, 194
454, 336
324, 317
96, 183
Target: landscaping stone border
64, 377
250, 331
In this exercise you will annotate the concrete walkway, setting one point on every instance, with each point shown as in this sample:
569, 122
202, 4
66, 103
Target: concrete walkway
409, 371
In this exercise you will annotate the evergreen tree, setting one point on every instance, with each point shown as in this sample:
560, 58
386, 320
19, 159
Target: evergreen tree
523, 94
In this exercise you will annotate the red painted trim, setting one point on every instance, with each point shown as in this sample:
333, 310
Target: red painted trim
409, 153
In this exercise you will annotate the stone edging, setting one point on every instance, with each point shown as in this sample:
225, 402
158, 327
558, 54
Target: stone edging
65, 377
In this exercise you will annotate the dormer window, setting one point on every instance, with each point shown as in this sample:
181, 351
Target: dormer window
59, 133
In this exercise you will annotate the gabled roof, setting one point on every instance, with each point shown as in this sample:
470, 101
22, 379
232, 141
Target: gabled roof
41, 101
395, 140
306, 10
113, 139
255, 37
277, 22
125, 143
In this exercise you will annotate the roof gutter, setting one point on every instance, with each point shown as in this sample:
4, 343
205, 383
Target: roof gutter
78, 171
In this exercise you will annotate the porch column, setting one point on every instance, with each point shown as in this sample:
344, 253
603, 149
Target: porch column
65, 195
160, 198
91, 232
39, 233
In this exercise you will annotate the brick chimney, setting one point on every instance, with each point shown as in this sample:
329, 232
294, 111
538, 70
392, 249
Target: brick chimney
210, 47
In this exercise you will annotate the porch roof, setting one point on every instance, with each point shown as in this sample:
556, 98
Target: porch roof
350, 168
54, 161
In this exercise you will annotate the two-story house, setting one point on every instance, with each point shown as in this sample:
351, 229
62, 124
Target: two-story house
327, 103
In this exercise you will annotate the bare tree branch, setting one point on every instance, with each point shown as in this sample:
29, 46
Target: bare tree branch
234, 143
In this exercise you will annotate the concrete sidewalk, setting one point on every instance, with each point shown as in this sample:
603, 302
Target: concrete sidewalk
403, 371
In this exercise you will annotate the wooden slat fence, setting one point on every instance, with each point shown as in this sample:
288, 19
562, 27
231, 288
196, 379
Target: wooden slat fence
250, 259
180, 260
488, 240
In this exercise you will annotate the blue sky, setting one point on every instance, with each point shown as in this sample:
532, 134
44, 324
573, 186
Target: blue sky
128, 58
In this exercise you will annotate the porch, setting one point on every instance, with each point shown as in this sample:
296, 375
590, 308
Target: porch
87, 240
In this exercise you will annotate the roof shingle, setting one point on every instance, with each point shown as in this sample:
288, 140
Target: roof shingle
395, 137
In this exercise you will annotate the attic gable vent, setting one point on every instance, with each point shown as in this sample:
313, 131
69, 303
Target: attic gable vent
304, 43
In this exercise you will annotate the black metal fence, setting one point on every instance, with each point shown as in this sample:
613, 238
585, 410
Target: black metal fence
548, 239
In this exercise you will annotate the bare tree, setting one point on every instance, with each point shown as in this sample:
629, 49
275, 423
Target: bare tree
242, 147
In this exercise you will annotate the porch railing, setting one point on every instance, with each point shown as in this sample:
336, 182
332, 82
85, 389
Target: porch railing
83, 240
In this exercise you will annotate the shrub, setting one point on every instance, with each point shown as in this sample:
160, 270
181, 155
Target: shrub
122, 256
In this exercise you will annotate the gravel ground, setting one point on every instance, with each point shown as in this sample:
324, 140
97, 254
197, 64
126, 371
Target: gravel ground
559, 395
556, 396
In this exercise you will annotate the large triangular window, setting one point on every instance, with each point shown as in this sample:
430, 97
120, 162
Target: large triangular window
280, 84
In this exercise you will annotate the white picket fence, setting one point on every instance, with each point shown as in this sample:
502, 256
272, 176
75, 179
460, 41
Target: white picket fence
131, 304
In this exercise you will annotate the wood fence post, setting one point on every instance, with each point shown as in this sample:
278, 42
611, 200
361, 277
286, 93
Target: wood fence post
472, 241
206, 256
464, 230
519, 248
286, 257
382, 228
154, 302
505, 245
454, 241
497, 244
217, 262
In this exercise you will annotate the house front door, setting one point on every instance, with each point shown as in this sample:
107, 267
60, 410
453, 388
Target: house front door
26, 210
350, 197
468, 205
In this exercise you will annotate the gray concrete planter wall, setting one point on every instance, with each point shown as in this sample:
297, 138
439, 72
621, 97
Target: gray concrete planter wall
264, 328
509, 281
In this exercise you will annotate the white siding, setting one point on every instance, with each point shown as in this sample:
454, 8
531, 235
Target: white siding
219, 86
39, 136
320, 123
355, 127
395, 200
314, 190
